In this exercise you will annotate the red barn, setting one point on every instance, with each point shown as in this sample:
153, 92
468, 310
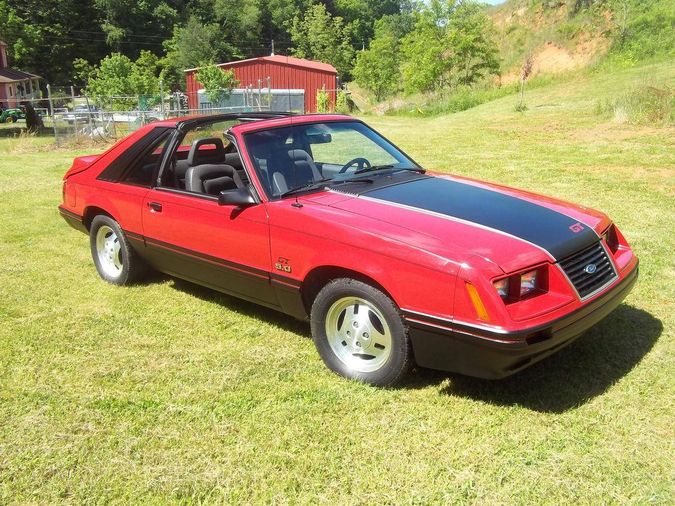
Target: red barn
280, 72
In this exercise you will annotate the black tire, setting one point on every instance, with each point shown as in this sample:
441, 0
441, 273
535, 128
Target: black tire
128, 267
326, 313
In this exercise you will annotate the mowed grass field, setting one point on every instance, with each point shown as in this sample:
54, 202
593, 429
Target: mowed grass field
169, 393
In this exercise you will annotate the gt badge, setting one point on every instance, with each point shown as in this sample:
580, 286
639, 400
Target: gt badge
282, 265
576, 228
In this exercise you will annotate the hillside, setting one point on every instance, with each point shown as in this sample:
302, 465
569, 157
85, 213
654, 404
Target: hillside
562, 39
563, 35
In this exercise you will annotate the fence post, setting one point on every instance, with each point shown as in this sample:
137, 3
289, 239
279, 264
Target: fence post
51, 110
269, 93
114, 127
161, 98
89, 116
72, 97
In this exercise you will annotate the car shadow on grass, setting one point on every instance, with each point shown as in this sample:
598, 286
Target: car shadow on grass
244, 307
576, 374
571, 377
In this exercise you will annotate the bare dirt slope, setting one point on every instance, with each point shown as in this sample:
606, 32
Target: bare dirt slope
556, 38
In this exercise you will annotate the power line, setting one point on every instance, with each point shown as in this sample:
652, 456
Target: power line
129, 35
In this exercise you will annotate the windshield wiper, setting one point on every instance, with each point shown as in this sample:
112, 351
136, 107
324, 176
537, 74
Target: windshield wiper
352, 180
322, 182
306, 187
375, 168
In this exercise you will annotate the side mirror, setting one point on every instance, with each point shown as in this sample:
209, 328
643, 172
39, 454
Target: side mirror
241, 197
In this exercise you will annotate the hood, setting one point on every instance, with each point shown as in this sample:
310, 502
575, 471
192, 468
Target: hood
468, 218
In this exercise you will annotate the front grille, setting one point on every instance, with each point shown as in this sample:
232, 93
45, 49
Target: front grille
575, 267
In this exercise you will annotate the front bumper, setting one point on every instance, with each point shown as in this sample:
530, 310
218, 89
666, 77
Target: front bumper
449, 346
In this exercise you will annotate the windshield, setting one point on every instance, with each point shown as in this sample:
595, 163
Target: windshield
311, 156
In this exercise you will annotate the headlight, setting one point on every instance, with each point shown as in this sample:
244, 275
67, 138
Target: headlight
502, 287
522, 285
612, 238
528, 282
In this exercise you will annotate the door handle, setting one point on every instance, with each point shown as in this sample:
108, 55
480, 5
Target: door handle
155, 206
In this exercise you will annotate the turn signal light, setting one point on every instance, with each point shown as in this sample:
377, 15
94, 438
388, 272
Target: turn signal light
477, 302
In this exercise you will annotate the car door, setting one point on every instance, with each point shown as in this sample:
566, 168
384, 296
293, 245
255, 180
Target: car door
223, 247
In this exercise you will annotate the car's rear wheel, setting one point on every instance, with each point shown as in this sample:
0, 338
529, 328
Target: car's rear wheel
114, 258
359, 333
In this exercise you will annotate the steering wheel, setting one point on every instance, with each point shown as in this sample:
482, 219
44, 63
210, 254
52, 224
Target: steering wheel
361, 163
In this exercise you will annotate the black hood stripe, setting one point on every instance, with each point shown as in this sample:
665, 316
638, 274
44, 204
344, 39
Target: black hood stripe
554, 232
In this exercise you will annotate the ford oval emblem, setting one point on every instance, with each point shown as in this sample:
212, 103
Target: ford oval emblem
590, 268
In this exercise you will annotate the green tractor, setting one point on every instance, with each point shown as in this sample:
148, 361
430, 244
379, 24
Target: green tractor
12, 115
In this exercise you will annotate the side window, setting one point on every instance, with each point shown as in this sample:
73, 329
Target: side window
143, 169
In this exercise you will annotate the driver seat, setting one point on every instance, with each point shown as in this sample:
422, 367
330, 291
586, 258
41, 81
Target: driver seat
212, 179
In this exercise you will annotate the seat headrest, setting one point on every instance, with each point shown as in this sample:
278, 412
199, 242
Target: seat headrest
301, 158
300, 154
215, 186
199, 156
195, 176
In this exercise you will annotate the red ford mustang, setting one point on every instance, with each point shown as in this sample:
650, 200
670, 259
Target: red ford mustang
322, 218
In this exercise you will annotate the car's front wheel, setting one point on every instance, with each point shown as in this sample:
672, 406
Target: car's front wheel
359, 333
114, 258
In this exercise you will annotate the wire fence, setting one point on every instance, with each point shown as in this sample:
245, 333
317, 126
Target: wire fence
76, 117
72, 116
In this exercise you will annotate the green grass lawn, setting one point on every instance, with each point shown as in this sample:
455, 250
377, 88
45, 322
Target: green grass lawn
167, 392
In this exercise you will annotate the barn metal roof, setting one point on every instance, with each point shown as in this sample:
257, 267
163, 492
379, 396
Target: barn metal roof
283, 60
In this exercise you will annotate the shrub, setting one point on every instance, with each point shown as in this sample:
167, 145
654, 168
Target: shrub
342, 102
218, 84
645, 105
322, 101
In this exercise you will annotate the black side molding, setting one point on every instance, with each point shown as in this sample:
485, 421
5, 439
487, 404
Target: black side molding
74, 220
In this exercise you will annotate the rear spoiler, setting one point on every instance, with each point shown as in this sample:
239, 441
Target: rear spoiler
80, 164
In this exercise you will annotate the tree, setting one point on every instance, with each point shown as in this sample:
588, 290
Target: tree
118, 81
131, 26
377, 68
319, 36
424, 64
276, 16
452, 43
190, 45
218, 83
360, 16
33, 120
45, 36
474, 52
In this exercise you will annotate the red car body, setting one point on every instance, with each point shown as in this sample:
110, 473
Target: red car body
435, 245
